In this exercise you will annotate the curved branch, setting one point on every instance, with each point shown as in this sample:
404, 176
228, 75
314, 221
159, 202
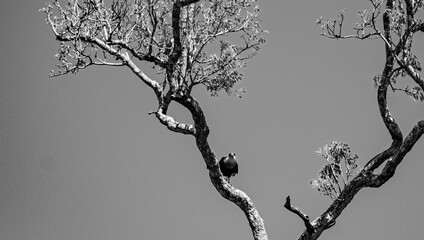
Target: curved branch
173, 125
220, 183
388, 120
376, 161
304, 217
243, 201
390, 168
385, 114
170, 122
364, 178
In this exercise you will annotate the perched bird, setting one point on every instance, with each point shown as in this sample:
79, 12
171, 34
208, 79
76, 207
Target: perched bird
229, 166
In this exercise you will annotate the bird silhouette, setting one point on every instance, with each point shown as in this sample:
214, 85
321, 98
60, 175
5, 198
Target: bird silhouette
229, 166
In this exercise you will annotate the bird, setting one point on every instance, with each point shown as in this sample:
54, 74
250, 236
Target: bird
229, 166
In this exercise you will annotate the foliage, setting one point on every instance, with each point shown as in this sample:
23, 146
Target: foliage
341, 167
397, 38
209, 45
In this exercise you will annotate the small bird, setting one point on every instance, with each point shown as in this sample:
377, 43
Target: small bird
229, 166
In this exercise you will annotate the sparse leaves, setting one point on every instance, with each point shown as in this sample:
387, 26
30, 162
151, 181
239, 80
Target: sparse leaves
377, 80
221, 70
365, 28
341, 167
415, 92
340, 178
400, 22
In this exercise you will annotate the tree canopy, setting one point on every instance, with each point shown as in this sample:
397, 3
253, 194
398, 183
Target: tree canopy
188, 42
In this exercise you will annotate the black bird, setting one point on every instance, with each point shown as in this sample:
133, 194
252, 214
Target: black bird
229, 166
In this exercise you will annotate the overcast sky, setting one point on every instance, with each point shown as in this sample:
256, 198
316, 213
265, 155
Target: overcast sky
80, 158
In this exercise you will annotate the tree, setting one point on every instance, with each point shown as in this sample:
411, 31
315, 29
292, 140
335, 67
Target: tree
197, 42
189, 43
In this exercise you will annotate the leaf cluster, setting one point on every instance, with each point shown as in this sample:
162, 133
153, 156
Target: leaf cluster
341, 167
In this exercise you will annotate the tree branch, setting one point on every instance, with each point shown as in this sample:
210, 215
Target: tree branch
176, 31
139, 56
328, 218
170, 122
391, 165
363, 179
119, 55
128, 62
412, 73
177, 50
393, 155
385, 114
388, 120
409, 13
419, 27
218, 180
304, 217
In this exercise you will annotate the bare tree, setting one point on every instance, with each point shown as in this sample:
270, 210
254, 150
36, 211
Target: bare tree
198, 42
189, 42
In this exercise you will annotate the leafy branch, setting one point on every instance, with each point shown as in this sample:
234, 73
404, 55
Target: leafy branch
397, 36
341, 167
210, 43
400, 21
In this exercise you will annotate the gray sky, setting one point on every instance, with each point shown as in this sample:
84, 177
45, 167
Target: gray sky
81, 159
